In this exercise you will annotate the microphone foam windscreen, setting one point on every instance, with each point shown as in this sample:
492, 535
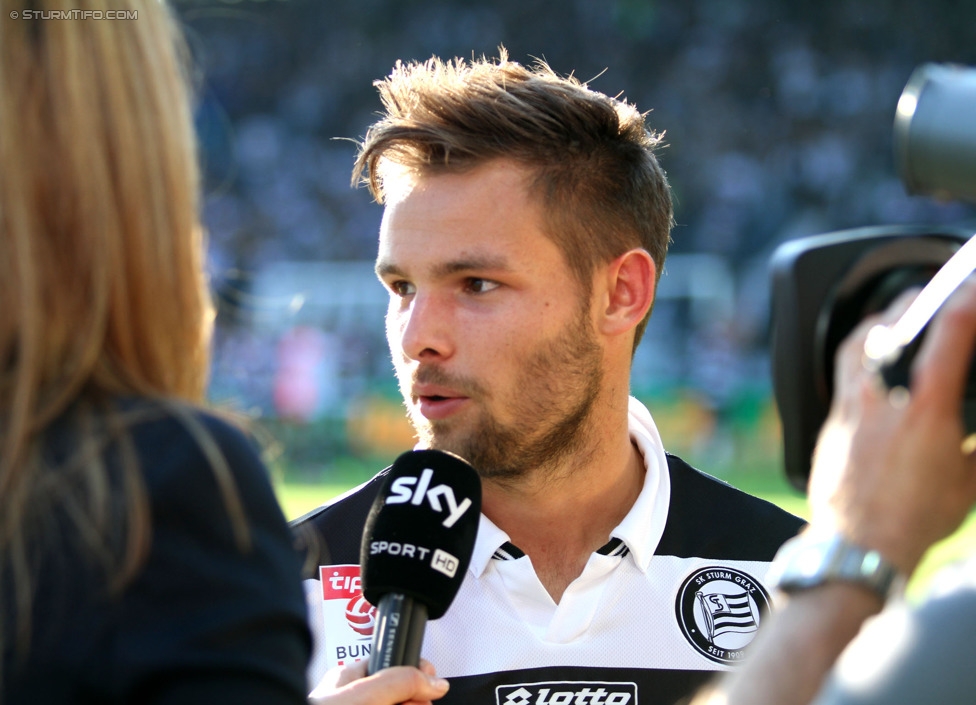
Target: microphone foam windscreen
420, 532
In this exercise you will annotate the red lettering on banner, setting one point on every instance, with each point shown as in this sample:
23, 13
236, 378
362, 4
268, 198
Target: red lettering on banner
340, 582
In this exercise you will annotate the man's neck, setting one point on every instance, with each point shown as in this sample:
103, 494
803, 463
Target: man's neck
560, 518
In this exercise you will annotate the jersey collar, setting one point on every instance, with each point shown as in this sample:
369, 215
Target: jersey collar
642, 527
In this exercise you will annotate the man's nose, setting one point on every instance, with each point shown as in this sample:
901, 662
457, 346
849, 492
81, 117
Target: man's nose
424, 329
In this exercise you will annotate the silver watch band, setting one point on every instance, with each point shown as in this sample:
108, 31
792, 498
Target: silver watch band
809, 560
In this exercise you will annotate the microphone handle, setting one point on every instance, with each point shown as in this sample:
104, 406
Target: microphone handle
400, 624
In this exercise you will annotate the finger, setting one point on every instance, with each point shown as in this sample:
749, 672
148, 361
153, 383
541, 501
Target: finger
349, 673
400, 684
850, 355
887, 316
427, 667
941, 368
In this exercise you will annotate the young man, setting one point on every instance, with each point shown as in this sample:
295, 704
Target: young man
525, 228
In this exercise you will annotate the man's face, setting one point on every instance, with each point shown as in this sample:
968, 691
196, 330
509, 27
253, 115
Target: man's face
491, 339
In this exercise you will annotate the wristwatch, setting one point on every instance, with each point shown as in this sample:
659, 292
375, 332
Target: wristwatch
809, 560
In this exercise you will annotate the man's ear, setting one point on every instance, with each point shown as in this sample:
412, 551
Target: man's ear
630, 280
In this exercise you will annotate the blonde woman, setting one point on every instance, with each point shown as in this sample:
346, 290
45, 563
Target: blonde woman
143, 558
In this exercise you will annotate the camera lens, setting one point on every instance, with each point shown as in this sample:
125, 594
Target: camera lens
935, 132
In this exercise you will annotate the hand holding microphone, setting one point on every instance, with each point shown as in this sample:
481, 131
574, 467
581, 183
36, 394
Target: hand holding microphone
349, 685
416, 549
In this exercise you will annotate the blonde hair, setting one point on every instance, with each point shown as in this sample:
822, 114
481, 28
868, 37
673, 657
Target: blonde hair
102, 289
592, 156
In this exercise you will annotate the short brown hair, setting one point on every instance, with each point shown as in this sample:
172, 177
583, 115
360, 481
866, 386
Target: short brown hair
592, 156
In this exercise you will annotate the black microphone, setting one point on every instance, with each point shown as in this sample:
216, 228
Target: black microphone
416, 548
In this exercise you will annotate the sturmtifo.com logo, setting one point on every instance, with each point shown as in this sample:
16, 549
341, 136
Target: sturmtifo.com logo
718, 611
567, 693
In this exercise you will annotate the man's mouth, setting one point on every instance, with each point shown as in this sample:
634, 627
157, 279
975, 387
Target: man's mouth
435, 407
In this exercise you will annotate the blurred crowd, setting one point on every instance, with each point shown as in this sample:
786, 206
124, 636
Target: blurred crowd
777, 118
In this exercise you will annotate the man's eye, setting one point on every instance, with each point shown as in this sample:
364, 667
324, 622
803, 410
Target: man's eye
481, 286
402, 288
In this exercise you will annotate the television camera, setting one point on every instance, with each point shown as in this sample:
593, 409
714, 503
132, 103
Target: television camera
823, 285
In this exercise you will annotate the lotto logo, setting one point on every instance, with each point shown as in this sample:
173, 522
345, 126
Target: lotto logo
361, 616
567, 693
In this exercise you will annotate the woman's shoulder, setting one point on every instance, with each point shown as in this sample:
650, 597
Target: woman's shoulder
197, 461
185, 436
149, 417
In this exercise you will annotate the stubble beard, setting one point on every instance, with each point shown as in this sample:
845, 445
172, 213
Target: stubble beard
554, 398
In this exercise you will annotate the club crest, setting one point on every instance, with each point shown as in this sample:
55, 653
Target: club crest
719, 610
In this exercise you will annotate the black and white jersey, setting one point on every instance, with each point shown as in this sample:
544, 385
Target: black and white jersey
677, 593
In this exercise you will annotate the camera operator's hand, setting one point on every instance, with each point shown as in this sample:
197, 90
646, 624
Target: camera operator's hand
890, 475
889, 472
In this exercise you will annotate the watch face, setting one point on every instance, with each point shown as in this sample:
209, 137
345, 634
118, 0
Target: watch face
801, 562
808, 561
